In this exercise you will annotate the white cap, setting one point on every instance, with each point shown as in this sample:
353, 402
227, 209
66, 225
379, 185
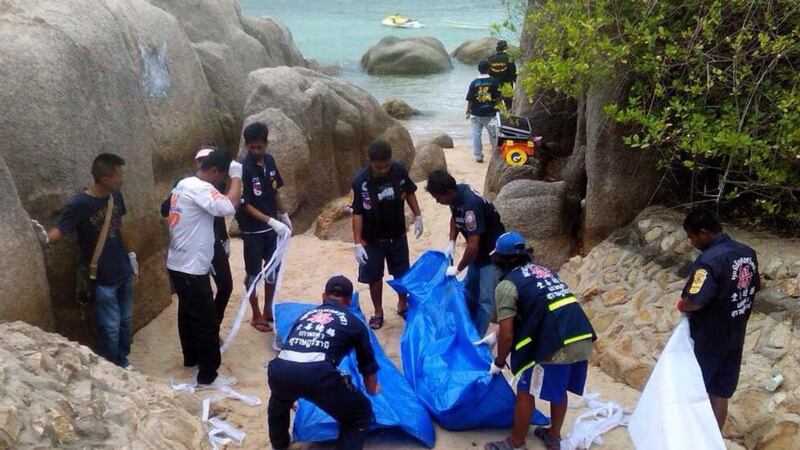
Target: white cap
203, 153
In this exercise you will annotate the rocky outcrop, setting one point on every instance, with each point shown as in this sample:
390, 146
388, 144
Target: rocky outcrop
500, 173
148, 80
429, 157
544, 213
398, 108
629, 284
409, 56
57, 393
474, 51
320, 128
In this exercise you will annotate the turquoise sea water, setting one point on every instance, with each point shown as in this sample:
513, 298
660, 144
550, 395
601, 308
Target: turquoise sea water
340, 31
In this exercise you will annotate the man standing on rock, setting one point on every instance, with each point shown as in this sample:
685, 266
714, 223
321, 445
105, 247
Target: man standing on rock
482, 98
307, 367
503, 71
380, 191
548, 336
262, 218
477, 220
112, 270
718, 298
194, 204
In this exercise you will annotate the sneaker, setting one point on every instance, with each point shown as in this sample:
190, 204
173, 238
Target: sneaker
479, 160
129, 367
220, 381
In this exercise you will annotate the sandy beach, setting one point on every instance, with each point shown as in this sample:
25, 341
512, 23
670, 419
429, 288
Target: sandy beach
310, 261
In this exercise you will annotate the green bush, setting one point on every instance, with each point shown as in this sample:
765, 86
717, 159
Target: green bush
714, 89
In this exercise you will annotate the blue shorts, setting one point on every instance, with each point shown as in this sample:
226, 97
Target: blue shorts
720, 370
550, 382
393, 251
258, 249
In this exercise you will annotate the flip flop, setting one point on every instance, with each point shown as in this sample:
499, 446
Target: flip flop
544, 434
502, 445
261, 326
376, 322
403, 313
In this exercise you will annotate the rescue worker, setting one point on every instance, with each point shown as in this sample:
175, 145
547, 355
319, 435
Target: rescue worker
718, 297
306, 368
546, 333
380, 191
482, 97
477, 220
503, 70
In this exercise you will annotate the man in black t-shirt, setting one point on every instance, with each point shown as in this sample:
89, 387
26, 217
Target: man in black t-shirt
380, 191
307, 368
475, 218
482, 97
85, 214
503, 70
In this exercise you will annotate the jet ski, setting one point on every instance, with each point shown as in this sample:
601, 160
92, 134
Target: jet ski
398, 21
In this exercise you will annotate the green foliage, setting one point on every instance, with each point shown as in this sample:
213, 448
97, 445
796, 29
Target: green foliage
715, 88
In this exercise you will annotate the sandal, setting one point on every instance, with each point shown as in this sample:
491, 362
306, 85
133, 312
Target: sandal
502, 445
403, 313
376, 322
261, 326
549, 443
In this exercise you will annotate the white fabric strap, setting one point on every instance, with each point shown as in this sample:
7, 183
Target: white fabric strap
301, 357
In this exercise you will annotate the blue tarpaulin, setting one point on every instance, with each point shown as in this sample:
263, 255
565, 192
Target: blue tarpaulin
448, 373
395, 407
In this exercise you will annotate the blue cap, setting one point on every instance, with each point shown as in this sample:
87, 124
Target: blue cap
510, 243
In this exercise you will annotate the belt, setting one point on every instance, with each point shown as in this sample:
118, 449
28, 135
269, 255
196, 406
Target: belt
301, 357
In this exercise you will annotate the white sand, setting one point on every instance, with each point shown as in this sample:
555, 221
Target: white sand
156, 349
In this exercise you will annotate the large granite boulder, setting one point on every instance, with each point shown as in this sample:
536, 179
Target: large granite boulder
429, 157
398, 108
443, 140
474, 51
544, 213
500, 173
58, 394
320, 128
408, 56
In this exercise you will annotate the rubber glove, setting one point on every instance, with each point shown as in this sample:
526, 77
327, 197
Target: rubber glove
284, 218
41, 232
134, 263
494, 370
490, 339
418, 228
235, 170
226, 245
450, 250
282, 230
361, 254
451, 271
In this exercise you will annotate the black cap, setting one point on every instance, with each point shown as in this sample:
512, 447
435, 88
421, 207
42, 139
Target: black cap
501, 45
339, 286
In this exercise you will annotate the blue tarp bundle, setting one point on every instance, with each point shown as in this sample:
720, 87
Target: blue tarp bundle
395, 407
448, 373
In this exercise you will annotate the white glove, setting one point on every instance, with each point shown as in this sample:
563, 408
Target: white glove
282, 230
450, 251
490, 339
494, 370
41, 232
134, 263
235, 170
418, 228
361, 254
284, 218
226, 245
451, 271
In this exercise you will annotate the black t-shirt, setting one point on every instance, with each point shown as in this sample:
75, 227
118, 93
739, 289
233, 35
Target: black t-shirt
482, 96
259, 185
381, 202
334, 331
502, 68
474, 215
85, 215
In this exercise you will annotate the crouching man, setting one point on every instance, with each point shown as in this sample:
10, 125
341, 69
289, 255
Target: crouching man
547, 334
307, 367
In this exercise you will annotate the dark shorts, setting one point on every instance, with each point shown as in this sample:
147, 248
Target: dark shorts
258, 249
393, 251
550, 382
720, 370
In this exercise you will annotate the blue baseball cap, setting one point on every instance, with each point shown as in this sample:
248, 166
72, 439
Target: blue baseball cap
510, 243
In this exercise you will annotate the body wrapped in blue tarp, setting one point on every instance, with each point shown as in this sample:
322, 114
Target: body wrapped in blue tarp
396, 406
449, 373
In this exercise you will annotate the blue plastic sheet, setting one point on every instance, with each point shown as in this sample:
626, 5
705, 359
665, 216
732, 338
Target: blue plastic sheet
449, 373
395, 407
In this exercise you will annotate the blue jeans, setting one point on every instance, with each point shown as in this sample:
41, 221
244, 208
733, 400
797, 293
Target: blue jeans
113, 305
478, 124
479, 286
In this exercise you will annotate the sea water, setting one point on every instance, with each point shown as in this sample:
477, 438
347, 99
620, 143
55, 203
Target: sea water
339, 32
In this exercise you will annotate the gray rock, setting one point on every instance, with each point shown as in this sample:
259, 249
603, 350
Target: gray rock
474, 51
398, 108
409, 56
429, 157
443, 140
500, 173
